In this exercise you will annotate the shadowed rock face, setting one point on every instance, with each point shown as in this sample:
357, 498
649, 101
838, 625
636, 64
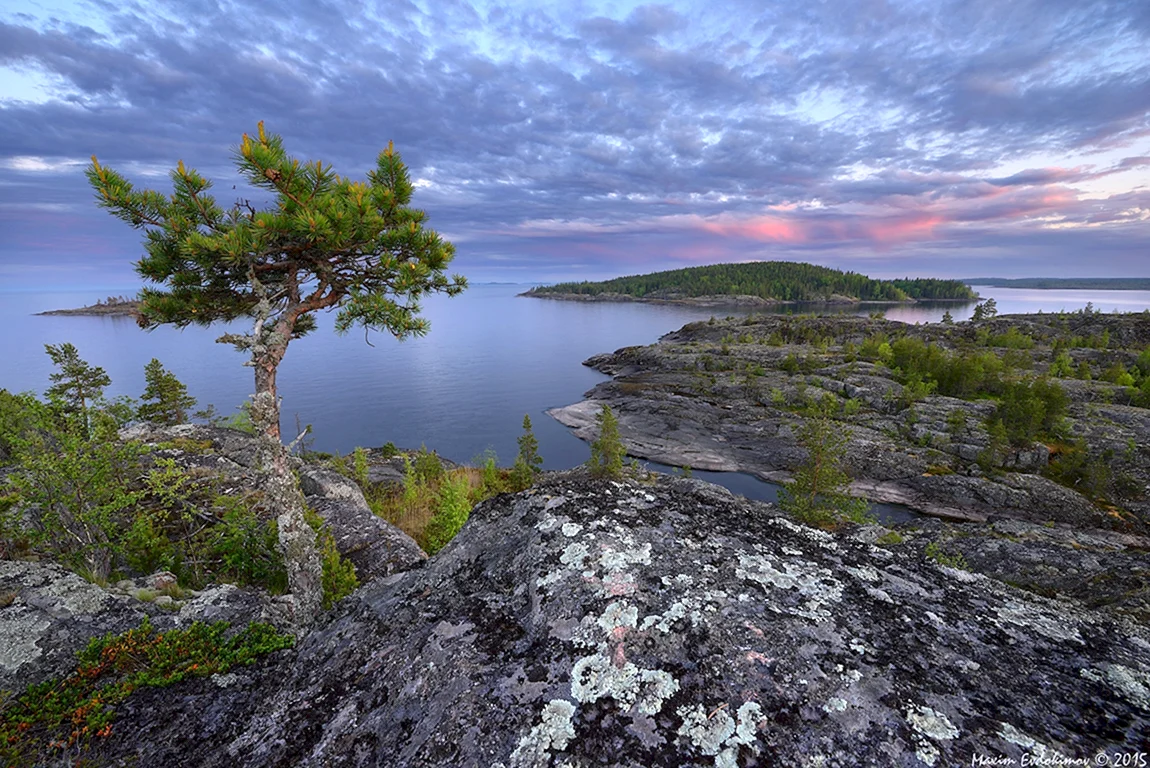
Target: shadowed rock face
598, 623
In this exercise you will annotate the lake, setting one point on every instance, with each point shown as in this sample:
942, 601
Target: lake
490, 358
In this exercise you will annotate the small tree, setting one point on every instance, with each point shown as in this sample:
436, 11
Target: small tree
325, 242
528, 464
166, 398
818, 493
985, 310
607, 449
77, 384
947, 318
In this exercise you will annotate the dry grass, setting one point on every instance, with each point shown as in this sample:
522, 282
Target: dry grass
411, 507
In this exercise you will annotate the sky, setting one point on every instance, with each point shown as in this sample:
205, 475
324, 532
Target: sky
582, 140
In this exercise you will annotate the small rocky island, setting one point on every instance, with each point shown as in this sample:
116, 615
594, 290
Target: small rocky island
113, 306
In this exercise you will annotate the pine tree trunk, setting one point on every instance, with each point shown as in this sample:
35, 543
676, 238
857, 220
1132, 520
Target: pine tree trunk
296, 537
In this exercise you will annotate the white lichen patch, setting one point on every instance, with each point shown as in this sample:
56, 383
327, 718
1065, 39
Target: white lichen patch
571, 529
547, 524
865, 573
819, 588
596, 677
554, 732
681, 580
1034, 619
575, 555
706, 731
19, 638
835, 704
822, 538
554, 502
1131, 683
611, 560
930, 723
550, 578
716, 733
1014, 736
619, 614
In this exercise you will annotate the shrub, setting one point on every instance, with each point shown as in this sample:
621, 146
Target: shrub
452, 512
955, 560
52, 720
338, 578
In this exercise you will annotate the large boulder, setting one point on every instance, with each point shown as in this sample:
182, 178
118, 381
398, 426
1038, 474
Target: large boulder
376, 547
591, 622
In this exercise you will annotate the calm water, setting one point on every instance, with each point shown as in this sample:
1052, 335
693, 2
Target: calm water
490, 358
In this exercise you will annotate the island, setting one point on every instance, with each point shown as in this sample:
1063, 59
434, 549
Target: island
113, 305
1065, 283
760, 283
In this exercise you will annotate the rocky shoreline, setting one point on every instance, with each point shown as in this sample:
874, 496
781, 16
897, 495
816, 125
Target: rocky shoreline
729, 395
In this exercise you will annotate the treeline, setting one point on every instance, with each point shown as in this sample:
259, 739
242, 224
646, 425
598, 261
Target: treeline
774, 280
1066, 283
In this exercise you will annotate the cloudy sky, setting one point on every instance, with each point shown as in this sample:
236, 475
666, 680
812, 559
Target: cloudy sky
585, 140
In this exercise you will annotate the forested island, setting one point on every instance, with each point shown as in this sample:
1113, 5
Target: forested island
763, 282
1065, 283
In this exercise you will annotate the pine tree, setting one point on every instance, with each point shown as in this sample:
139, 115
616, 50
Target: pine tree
77, 384
528, 464
947, 318
166, 398
323, 242
818, 493
607, 449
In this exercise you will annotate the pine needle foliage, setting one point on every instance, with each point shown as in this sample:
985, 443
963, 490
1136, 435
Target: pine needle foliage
818, 493
324, 242
165, 400
607, 449
528, 464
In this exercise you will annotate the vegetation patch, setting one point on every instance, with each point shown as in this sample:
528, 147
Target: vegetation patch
58, 719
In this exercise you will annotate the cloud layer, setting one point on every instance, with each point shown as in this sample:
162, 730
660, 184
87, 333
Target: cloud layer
942, 138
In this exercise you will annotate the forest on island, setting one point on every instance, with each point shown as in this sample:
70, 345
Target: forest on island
776, 280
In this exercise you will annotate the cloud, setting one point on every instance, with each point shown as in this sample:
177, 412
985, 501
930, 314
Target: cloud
559, 139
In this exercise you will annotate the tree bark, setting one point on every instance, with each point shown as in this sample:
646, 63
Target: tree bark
297, 540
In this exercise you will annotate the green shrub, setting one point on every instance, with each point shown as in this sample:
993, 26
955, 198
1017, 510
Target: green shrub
427, 466
359, 467
452, 512
955, 560
244, 548
338, 577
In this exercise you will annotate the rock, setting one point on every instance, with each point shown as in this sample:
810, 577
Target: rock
663, 624
161, 580
373, 545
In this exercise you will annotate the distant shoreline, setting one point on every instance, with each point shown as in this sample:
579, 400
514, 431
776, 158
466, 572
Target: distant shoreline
1065, 283
129, 307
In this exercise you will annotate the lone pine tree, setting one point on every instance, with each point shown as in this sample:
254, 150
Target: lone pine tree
324, 242
166, 398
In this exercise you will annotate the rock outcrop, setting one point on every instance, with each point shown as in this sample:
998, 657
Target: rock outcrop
665, 623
